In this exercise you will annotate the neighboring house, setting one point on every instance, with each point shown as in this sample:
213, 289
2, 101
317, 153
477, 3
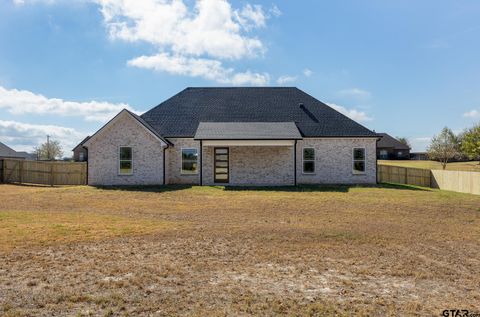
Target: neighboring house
8, 152
389, 148
233, 136
80, 153
419, 156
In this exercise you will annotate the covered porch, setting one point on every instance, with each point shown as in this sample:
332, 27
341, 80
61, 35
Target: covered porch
248, 153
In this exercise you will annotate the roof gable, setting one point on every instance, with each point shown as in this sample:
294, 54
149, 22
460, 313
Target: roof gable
137, 119
180, 115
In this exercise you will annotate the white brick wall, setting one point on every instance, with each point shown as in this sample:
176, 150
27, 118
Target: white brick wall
174, 162
103, 152
254, 165
333, 161
248, 165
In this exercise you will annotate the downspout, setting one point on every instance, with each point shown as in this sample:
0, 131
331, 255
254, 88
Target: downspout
295, 163
201, 163
164, 164
376, 161
86, 181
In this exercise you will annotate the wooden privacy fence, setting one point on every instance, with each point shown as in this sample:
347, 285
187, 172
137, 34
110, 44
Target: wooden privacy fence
458, 181
41, 172
404, 175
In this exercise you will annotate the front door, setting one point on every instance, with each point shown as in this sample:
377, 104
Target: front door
221, 165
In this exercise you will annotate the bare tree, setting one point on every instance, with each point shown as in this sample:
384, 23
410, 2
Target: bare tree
405, 141
444, 147
49, 150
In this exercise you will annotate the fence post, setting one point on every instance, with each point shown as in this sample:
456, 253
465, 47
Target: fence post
20, 172
51, 175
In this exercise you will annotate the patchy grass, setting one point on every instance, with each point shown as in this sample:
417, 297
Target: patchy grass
27, 228
337, 250
473, 166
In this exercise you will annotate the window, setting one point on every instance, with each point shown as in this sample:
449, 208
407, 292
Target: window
359, 160
189, 161
309, 160
383, 154
126, 160
400, 154
81, 156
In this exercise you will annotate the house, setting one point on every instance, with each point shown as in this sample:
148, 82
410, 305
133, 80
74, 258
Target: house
8, 152
233, 136
80, 153
419, 156
389, 148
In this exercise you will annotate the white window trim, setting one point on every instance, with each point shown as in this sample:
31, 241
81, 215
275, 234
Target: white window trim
364, 160
314, 160
118, 160
181, 160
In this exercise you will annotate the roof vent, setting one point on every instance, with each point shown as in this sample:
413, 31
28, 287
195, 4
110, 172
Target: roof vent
301, 105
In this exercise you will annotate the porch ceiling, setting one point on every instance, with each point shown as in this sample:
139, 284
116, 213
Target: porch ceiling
247, 131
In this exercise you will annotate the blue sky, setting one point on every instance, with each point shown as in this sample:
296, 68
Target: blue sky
407, 68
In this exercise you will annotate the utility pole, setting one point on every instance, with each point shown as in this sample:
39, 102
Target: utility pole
48, 147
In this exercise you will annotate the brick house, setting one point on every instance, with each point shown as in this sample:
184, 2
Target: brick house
389, 148
233, 136
80, 152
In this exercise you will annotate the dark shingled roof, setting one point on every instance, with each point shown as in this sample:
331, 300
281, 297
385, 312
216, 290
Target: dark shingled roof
180, 115
6, 151
247, 131
388, 141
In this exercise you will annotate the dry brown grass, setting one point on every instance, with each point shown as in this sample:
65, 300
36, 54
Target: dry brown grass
314, 251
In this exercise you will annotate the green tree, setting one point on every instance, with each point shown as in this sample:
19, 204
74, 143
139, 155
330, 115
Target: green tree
405, 141
49, 150
444, 147
470, 144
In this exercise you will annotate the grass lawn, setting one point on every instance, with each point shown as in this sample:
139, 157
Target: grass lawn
214, 251
432, 165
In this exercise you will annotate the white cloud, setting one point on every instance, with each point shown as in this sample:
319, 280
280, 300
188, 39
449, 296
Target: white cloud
198, 67
275, 11
351, 113
209, 32
199, 38
285, 79
307, 72
25, 136
355, 93
472, 114
23, 101
211, 28
251, 16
